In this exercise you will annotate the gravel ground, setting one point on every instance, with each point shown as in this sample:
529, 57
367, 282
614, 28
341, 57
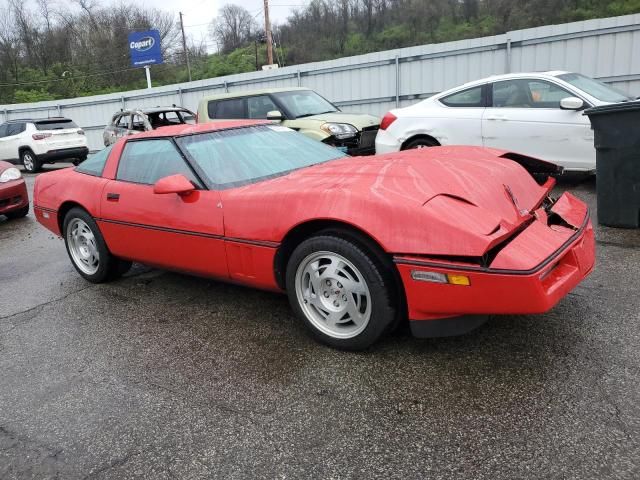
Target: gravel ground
161, 375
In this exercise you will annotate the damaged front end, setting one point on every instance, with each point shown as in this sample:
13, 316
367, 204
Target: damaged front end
527, 271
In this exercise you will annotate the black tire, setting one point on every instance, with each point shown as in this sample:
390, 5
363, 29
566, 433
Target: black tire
421, 142
109, 266
18, 213
381, 291
33, 164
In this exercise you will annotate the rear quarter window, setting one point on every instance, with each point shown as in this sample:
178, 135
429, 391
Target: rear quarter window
94, 165
16, 128
471, 97
231, 108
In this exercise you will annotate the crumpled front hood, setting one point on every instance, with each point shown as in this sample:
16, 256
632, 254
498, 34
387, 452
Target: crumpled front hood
358, 120
435, 201
457, 184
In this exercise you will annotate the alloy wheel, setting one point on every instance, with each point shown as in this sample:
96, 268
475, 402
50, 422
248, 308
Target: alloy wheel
82, 246
333, 294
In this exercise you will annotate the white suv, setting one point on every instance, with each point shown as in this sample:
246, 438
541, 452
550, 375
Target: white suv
47, 140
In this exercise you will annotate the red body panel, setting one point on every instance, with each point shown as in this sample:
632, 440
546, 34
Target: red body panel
440, 201
13, 196
493, 292
449, 201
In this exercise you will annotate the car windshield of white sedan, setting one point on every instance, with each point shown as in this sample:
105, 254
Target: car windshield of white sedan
231, 158
595, 88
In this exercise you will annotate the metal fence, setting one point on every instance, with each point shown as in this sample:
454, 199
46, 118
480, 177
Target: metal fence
606, 49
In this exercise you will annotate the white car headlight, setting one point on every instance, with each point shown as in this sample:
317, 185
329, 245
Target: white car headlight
9, 174
340, 130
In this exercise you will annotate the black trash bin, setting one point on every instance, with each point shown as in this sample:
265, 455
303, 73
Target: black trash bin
617, 142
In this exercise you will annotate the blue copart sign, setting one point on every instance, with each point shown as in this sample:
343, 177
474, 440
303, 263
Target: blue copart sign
145, 48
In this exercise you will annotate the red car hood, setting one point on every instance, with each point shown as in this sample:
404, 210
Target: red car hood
444, 200
465, 184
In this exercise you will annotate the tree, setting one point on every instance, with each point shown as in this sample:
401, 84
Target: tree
233, 28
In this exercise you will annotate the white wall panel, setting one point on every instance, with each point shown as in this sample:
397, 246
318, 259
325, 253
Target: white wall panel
603, 48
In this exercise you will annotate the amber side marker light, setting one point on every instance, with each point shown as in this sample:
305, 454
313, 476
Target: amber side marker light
436, 277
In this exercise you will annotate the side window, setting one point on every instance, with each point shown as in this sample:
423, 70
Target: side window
15, 129
258, 107
3, 130
471, 97
94, 165
147, 161
123, 121
547, 94
524, 93
227, 109
137, 123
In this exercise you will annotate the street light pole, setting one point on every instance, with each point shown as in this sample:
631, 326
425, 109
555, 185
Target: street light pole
184, 46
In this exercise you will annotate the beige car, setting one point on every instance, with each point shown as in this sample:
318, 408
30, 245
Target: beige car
300, 109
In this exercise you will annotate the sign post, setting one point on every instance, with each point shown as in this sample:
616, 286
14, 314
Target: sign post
145, 51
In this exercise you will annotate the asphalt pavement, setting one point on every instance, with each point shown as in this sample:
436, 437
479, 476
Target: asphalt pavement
165, 376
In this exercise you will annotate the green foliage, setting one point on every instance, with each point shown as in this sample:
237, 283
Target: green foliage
28, 96
323, 30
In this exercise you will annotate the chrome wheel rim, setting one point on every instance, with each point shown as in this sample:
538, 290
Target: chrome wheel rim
82, 246
333, 295
27, 160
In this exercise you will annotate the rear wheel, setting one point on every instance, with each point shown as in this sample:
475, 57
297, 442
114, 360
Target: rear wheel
339, 292
422, 142
88, 251
30, 161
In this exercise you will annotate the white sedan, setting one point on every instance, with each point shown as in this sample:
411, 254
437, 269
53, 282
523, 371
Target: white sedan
536, 114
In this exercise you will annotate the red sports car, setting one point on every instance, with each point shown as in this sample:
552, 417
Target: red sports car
14, 199
438, 235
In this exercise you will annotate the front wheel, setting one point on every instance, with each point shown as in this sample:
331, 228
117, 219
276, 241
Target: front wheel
87, 249
339, 292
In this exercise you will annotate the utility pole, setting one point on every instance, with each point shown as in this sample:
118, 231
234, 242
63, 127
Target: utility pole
184, 46
267, 27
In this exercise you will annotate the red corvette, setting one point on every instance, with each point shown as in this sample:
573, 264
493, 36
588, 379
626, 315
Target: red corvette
438, 235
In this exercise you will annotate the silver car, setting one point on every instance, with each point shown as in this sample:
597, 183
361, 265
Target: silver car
132, 121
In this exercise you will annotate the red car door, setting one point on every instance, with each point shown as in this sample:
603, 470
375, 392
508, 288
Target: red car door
181, 232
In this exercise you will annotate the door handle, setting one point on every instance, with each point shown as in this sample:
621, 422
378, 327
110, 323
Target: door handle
496, 117
113, 197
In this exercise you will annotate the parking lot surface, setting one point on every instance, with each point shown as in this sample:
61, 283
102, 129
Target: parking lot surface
162, 375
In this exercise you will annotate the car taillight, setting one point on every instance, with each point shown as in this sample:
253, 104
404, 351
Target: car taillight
80, 132
40, 136
387, 120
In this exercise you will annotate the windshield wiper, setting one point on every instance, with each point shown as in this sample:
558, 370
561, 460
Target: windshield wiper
317, 113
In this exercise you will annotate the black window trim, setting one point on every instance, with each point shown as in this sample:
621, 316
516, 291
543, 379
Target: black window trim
197, 176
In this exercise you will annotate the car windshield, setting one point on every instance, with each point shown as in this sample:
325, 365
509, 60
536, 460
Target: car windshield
231, 158
304, 103
595, 88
